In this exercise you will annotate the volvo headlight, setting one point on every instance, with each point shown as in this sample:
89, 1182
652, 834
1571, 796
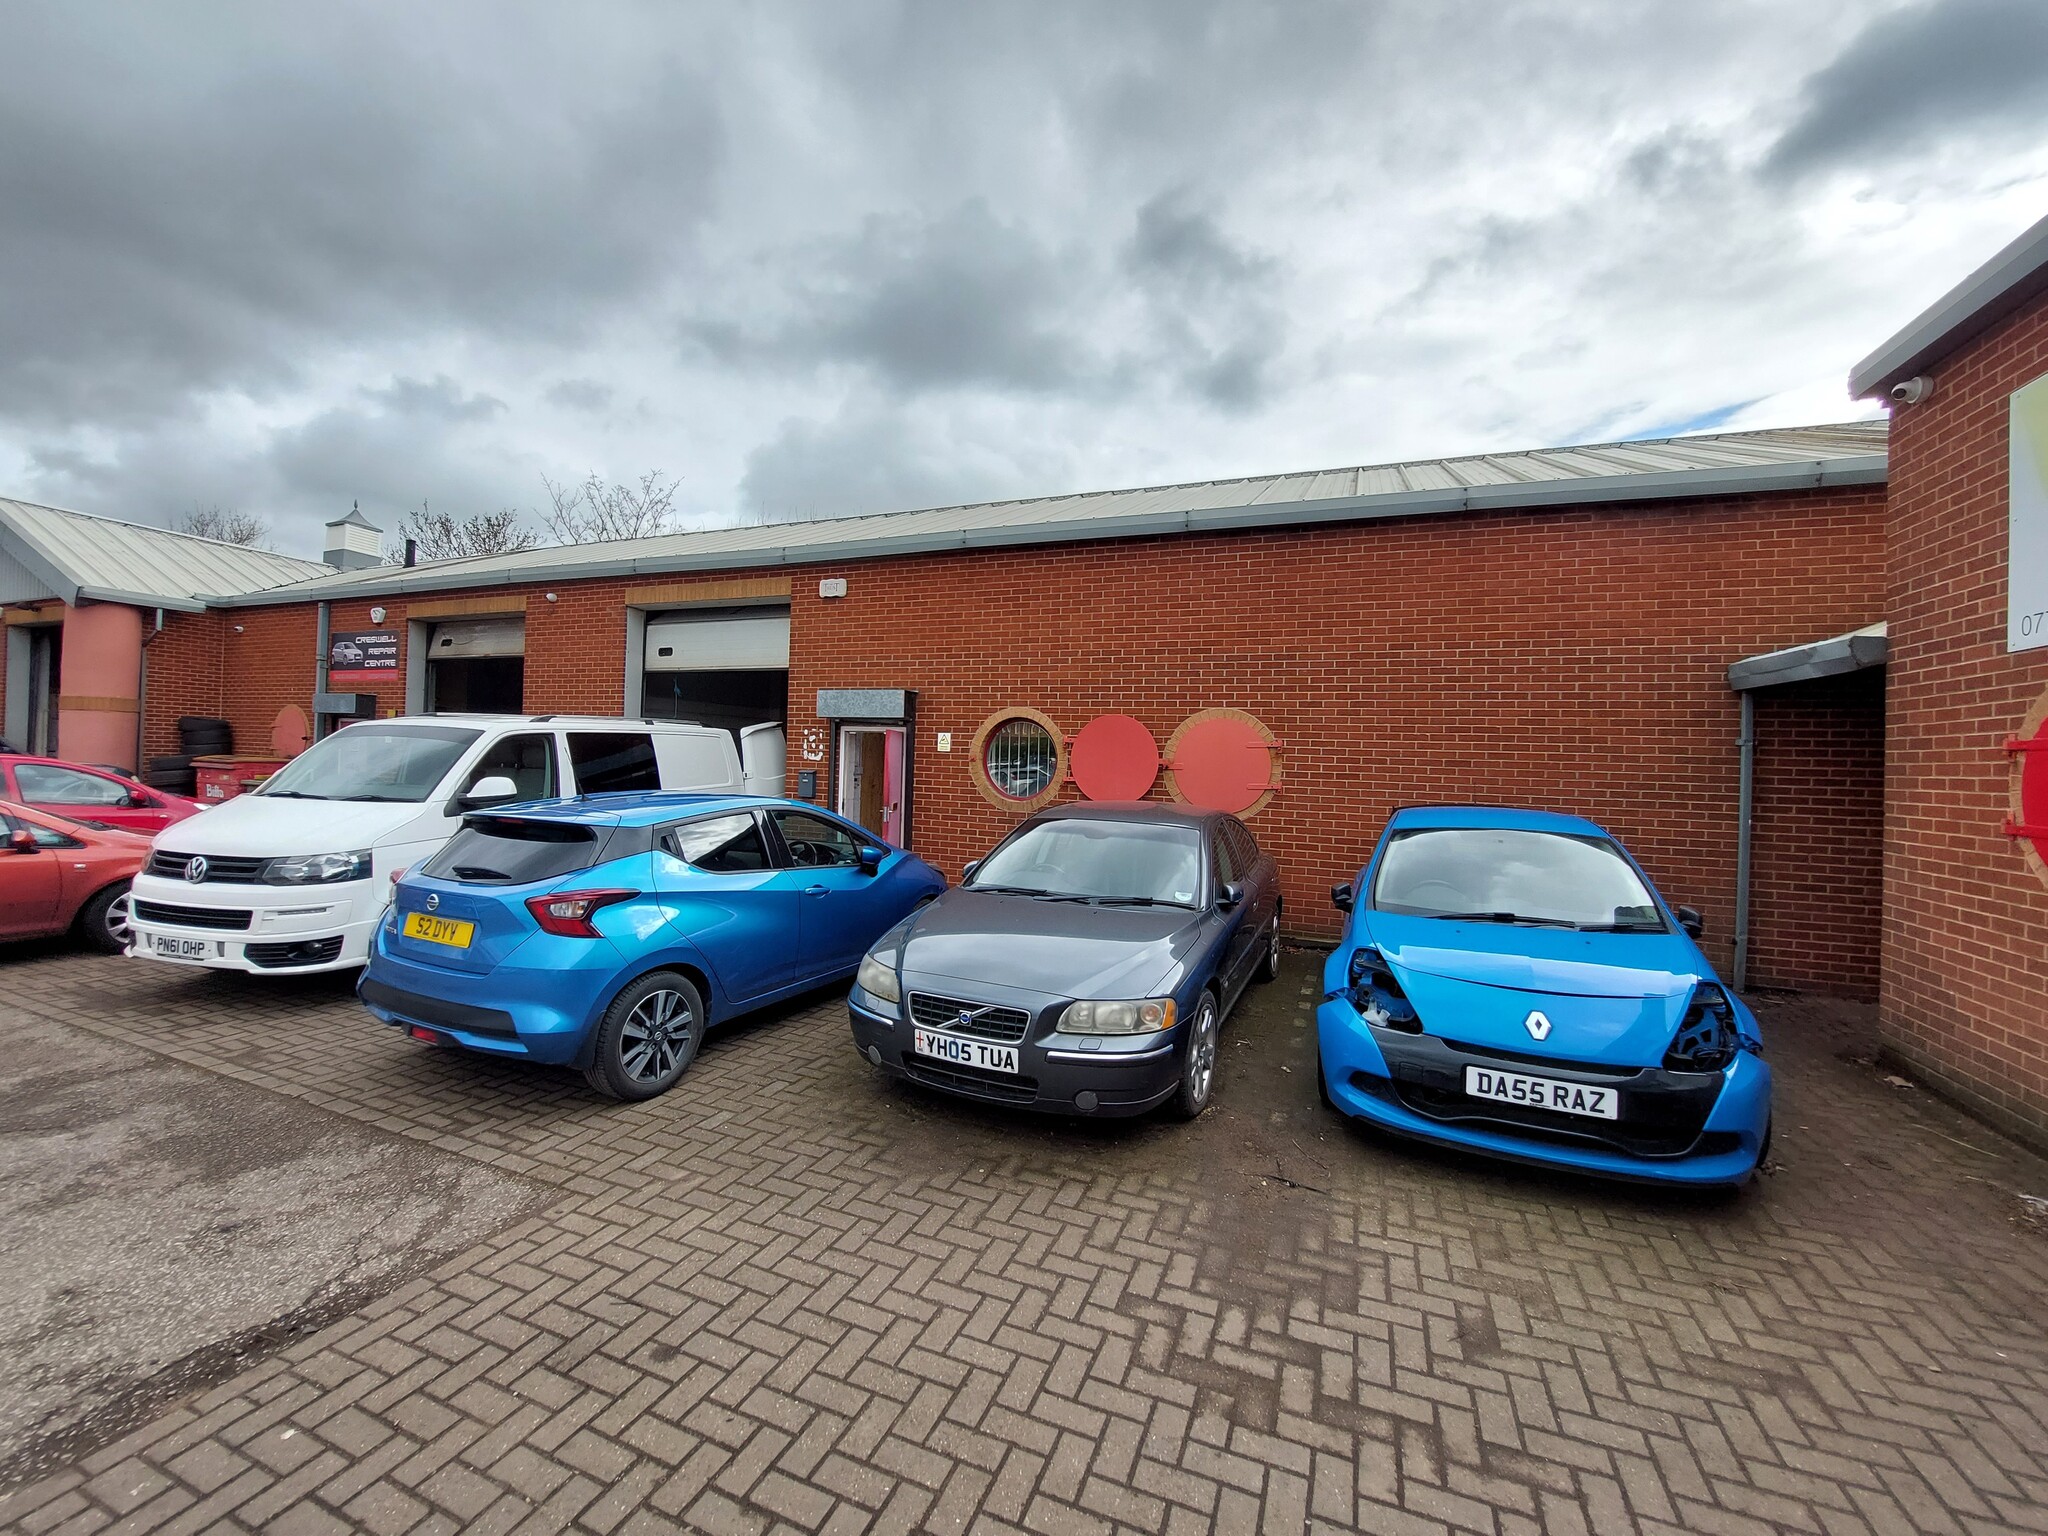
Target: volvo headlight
879, 980
1134, 1018
318, 869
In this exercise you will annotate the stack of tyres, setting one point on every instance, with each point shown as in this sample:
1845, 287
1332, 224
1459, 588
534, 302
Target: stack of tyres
198, 736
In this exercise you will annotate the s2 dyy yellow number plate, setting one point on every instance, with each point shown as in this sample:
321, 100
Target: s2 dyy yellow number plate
439, 930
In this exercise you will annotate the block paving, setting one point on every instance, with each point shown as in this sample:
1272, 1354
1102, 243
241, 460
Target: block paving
789, 1296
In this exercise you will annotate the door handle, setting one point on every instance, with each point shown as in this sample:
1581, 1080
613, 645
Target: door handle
814, 890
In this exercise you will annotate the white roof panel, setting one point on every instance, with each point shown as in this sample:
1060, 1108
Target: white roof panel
79, 555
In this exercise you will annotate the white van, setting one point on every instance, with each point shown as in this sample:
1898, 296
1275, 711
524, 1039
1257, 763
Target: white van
293, 876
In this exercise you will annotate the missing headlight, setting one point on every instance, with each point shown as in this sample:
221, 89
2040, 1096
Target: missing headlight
1376, 993
1707, 1039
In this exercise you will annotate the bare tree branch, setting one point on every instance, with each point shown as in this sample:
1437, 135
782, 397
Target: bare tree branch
228, 527
441, 536
599, 510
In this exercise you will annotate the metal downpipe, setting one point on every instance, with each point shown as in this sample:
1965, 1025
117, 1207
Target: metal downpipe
1745, 825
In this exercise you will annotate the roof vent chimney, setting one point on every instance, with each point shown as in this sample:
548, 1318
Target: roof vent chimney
353, 542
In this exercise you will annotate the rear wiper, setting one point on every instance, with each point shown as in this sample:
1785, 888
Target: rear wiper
1502, 917
477, 872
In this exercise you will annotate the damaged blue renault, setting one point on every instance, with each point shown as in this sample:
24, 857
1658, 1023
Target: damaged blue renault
1509, 982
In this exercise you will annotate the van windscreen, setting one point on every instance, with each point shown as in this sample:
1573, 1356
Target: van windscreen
504, 850
403, 763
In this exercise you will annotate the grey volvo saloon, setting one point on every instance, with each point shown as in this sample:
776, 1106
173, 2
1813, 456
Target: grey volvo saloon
1083, 967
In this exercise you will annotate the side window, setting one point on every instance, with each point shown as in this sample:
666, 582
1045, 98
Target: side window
44, 784
720, 845
528, 761
1243, 846
46, 837
613, 760
814, 842
1219, 849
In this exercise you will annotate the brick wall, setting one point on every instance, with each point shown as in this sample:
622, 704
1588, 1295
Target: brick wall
1817, 874
181, 676
1965, 996
1573, 659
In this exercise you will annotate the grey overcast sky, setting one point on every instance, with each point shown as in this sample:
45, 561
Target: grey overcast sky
851, 257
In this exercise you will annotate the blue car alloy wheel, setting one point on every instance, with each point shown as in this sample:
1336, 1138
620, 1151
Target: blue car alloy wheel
1510, 983
610, 932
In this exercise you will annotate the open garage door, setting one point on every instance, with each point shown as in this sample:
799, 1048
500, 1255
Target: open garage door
723, 667
477, 666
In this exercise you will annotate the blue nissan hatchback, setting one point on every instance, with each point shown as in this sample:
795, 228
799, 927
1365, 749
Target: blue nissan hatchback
608, 932
1510, 982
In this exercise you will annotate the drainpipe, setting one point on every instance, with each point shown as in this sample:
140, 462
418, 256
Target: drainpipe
1745, 822
142, 696
320, 670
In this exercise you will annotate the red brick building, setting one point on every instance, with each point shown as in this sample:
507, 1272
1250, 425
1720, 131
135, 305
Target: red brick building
1541, 629
1965, 956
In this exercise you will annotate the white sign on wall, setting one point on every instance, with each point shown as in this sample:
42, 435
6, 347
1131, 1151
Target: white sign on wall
2026, 617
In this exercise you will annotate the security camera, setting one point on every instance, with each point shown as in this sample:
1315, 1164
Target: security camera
1912, 391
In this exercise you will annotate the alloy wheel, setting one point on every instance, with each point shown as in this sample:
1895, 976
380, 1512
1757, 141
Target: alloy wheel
117, 921
651, 1039
1201, 1067
1273, 947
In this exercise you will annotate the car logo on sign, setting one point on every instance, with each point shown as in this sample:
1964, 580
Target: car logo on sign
1538, 1024
434, 902
195, 870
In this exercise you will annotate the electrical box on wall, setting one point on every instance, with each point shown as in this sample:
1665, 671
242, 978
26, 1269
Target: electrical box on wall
832, 586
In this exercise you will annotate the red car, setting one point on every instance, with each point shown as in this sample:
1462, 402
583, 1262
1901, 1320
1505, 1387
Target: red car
56, 875
101, 795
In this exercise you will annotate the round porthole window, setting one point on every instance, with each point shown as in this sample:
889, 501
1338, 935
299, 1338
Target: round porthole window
1019, 760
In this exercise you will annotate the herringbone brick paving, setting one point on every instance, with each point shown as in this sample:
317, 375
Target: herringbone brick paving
791, 1297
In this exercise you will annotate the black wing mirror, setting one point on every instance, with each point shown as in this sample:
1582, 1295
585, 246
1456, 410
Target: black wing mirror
1690, 920
1230, 897
871, 857
1342, 897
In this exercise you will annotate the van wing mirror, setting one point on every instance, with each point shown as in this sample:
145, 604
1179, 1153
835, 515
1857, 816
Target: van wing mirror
495, 790
1342, 897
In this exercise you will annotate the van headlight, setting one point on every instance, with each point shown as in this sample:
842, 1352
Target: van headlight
1133, 1018
879, 980
318, 869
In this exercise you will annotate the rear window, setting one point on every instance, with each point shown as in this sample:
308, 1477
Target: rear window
502, 850
606, 761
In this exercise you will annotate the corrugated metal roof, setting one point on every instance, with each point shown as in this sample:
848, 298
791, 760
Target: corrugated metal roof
1733, 463
96, 557
2004, 283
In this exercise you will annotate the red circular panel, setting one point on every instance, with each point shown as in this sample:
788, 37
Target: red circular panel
1222, 764
2034, 790
1114, 758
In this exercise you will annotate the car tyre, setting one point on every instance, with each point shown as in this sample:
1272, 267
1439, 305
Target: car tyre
103, 921
1323, 1081
1198, 1061
647, 1038
1269, 963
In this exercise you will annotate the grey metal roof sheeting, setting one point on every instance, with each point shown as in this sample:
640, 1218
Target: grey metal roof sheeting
1867, 647
2005, 282
96, 557
1718, 464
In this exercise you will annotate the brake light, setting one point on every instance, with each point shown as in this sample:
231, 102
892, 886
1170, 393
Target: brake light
396, 876
568, 913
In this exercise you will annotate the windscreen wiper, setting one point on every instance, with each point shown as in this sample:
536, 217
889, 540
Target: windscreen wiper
1139, 901
1503, 917
378, 799
1635, 927
290, 794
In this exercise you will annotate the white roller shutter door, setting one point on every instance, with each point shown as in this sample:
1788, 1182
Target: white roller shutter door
463, 638
728, 642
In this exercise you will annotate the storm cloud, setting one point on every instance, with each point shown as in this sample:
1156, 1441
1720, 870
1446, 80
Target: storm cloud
830, 258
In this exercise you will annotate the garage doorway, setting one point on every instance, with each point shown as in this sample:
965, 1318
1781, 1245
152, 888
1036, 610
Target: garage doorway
872, 760
724, 667
477, 667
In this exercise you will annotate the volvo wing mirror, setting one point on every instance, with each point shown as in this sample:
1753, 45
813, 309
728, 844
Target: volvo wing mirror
967, 870
1230, 897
